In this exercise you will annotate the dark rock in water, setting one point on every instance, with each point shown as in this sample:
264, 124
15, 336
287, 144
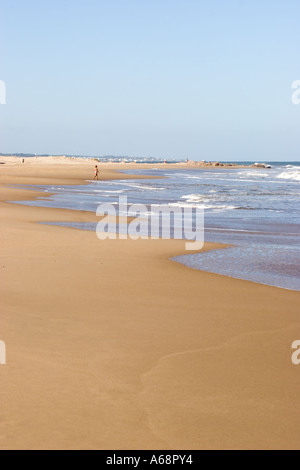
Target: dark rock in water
261, 165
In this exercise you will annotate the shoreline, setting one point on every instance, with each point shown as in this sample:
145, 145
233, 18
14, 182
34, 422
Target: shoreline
90, 218
125, 165
114, 345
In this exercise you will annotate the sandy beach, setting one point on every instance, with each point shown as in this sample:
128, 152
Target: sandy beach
111, 345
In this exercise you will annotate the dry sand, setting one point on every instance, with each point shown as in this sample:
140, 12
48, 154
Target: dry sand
110, 345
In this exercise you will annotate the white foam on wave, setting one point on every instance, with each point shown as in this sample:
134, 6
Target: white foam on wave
202, 206
253, 173
290, 175
135, 185
195, 198
108, 192
199, 198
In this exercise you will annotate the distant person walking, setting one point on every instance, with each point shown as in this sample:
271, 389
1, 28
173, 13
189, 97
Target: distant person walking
96, 173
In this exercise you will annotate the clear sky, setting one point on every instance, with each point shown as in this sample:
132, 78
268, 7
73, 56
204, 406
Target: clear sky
165, 78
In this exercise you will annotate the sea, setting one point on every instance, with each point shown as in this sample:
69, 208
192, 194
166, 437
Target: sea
254, 210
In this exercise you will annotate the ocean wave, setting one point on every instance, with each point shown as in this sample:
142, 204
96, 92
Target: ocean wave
203, 206
145, 187
195, 198
200, 198
135, 185
253, 173
108, 192
290, 175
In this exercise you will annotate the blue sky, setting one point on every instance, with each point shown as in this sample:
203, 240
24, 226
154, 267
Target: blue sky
166, 78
